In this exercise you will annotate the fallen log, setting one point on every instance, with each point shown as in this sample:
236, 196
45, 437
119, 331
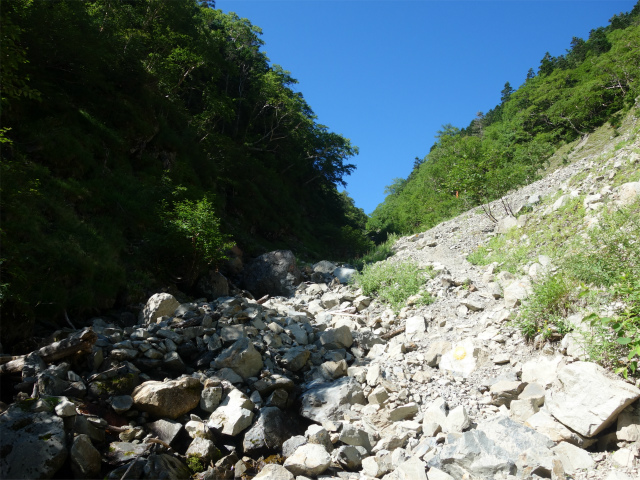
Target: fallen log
78, 342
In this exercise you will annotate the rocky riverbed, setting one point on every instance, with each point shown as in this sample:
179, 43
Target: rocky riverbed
329, 383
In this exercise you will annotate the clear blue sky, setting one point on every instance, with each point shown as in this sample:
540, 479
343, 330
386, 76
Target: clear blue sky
389, 74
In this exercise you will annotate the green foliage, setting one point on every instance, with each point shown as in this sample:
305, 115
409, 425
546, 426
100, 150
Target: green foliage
196, 221
376, 254
544, 313
136, 97
625, 326
393, 283
195, 464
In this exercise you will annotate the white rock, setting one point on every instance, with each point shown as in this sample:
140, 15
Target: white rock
586, 400
274, 472
230, 420
457, 420
573, 458
158, 305
309, 460
628, 192
541, 370
623, 457
545, 424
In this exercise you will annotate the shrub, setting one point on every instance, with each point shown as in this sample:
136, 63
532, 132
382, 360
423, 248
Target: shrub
393, 283
544, 313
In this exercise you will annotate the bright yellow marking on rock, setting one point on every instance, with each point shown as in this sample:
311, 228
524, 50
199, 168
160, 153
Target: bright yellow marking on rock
459, 353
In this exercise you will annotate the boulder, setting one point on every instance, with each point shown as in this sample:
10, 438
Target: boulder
628, 193
336, 338
573, 458
213, 285
32, 445
158, 305
204, 449
268, 433
168, 399
309, 460
241, 357
273, 273
586, 400
165, 467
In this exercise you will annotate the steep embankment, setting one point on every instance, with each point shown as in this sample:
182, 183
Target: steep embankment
335, 384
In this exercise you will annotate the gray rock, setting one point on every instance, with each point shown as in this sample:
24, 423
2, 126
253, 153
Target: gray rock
348, 457
165, 430
210, 398
513, 437
31, 445
204, 449
351, 435
318, 434
573, 458
165, 467
476, 454
121, 452
328, 401
411, 469
121, 403
586, 400
274, 472
516, 292
242, 358
230, 419
504, 391
213, 285
268, 433
541, 370
309, 460
457, 420
296, 358
85, 458
274, 382
336, 338
168, 399
158, 305
628, 427
403, 412
273, 273
545, 424
291, 445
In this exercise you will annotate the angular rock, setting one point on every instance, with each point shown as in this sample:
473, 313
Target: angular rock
204, 449
586, 400
296, 358
230, 419
351, 435
516, 292
165, 430
628, 427
403, 412
336, 338
348, 457
457, 420
545, 424
242, 358
165, 467
168, 399
573, 458
210, 398
268, 433
504, 391
85, 458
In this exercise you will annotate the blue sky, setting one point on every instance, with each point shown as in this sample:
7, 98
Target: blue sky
388, 74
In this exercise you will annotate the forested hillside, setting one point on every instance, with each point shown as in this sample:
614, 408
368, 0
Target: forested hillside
569, 96
140, 139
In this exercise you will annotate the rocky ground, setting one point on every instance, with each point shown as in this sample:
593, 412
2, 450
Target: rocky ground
328, 383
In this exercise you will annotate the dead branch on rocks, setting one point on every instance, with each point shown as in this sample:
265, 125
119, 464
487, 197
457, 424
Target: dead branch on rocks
80, 342
392, 333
